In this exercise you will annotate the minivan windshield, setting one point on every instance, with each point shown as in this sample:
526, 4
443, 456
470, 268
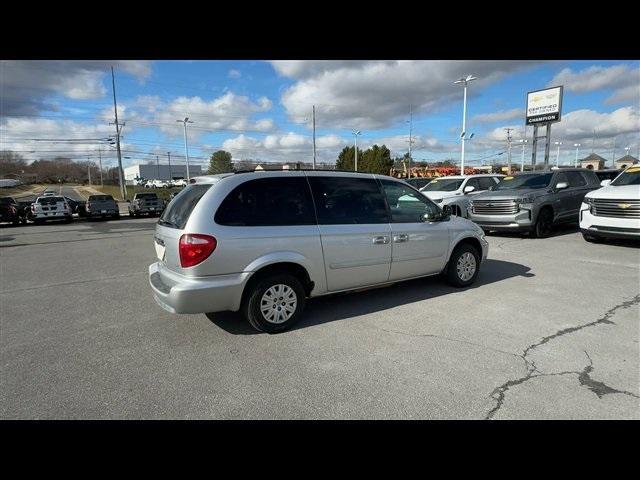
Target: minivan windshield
445, 185
536, 180
179, 209
629, 177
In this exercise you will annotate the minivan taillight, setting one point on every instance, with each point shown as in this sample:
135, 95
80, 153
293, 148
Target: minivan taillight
195, 248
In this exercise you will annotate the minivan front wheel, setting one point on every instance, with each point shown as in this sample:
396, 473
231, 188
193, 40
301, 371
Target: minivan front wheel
274, 303
464, 266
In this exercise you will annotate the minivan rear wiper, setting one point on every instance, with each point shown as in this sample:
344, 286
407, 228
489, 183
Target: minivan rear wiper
167, 223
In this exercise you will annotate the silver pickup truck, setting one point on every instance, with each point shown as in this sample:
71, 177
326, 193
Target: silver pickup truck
101, 206
145, 203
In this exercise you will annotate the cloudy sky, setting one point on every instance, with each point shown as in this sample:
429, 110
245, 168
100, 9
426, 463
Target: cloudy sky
262, 109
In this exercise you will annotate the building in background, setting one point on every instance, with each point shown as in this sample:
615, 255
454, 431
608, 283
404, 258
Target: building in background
593, 162
625, 161
160, 172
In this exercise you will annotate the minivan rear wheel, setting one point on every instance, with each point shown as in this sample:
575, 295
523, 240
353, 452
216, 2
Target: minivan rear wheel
274, 303
464, 266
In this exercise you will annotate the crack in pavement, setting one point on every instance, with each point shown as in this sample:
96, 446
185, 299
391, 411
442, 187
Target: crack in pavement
450, 340
599, 388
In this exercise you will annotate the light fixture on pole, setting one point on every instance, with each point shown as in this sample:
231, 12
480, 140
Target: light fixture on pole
523, 142
577, 145
464, 81
558, 154
355, 136
186, 147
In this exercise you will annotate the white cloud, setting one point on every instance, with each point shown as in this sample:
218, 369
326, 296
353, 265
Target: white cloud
233, 73
578, 126
288, 147
26, 85
625, 79
374, 94
592, 78
499, 116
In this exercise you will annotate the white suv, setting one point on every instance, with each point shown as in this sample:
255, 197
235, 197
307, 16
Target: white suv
455, 190
613, 211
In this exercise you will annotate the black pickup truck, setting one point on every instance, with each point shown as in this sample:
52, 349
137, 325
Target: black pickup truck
12, 211
146, 203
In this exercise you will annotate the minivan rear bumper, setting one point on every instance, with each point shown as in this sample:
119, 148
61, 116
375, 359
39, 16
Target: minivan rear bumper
179, 294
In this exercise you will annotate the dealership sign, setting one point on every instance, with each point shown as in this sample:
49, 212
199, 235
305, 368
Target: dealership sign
544, 106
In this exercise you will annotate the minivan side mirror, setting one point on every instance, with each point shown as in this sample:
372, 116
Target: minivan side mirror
605, 183
561, 185
469, 189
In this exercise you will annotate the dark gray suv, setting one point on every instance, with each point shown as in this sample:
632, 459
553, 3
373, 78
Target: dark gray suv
533, 202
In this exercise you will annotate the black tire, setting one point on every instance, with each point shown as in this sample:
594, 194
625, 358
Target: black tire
253, 297
68, 219
454, 277
544, 224
590, 238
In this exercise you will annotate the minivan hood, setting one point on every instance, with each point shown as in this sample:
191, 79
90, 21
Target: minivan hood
623, 192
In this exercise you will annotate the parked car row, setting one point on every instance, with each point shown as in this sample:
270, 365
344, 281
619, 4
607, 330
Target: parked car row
165, 183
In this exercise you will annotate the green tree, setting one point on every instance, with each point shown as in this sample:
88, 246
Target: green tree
220, 162
376, 160
346, 159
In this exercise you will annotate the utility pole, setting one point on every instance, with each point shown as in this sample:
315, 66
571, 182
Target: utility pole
314, 137
89, 168
123, 191
158, 165
410, 136
170, 174
509, 150
186, 147
100, 160
613, 154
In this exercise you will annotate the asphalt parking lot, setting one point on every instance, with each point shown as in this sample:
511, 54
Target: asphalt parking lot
550, 331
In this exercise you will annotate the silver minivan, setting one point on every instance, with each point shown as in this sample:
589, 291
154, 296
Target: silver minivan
263, 242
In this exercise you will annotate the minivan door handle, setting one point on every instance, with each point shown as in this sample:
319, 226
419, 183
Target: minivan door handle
401, 238
382, 240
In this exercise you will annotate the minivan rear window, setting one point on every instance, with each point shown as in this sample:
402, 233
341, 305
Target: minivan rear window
179, 209
268, 202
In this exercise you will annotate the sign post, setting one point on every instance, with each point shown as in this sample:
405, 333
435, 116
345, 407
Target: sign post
544, 107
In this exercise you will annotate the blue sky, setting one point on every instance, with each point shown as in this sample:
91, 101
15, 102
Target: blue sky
262, 110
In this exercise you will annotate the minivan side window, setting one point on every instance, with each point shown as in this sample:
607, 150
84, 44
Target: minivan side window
347, 200
407, 205
575, 179
268, 202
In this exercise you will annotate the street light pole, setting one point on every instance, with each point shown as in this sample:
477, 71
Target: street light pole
577, 145
523, 141
186, 147
100, 160
558, 154
464, 81
410, 136
169, 157
355, 136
